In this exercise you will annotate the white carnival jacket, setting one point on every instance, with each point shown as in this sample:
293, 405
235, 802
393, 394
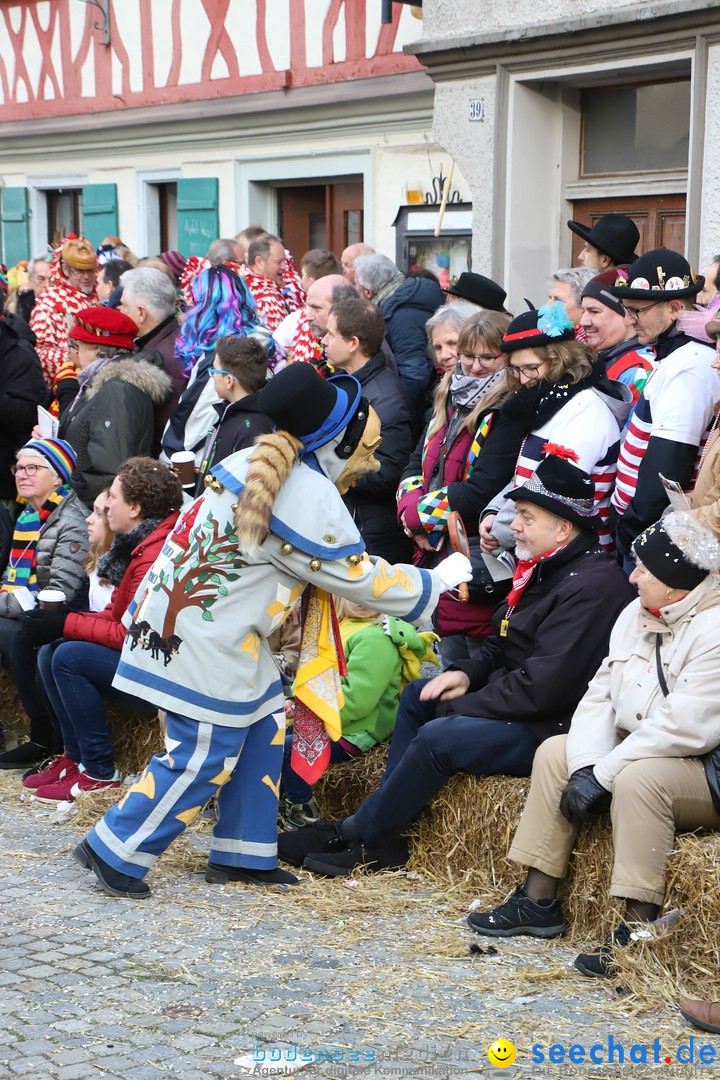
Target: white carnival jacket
198, 626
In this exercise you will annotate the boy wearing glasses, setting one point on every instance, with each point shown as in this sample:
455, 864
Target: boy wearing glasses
239, 372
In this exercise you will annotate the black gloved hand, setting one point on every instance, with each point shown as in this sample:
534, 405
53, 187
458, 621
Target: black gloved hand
583, 797
42, 625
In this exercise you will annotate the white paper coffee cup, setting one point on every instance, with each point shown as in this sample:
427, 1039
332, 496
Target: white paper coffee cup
51, 598
183, 463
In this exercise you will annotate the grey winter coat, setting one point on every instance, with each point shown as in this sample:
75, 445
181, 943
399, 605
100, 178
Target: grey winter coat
61, 551
111, 419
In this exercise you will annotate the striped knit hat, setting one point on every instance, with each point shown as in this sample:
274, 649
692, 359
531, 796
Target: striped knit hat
59, 455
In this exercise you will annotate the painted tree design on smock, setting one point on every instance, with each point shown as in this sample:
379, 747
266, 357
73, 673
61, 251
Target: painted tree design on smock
198, 576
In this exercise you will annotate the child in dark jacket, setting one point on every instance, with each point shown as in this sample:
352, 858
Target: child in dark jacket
239, 371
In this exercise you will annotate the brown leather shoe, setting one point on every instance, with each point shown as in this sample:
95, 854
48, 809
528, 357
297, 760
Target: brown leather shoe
703, 1014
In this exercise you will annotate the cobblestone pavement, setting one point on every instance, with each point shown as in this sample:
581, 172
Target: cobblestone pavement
201, 980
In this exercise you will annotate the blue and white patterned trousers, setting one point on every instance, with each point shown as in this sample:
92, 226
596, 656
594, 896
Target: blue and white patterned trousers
241, 765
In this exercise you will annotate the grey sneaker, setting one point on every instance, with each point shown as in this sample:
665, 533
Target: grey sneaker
520, 915
298, 815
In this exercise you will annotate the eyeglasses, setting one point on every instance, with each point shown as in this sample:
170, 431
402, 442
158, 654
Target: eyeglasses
480, 358
635, 313
29, 470
530, 371
220, 371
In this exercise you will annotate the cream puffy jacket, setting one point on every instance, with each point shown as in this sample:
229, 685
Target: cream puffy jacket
624, 715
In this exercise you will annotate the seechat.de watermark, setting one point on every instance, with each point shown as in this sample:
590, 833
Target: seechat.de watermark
614, 1052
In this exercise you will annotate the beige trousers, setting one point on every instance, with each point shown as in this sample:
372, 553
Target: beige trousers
652, 799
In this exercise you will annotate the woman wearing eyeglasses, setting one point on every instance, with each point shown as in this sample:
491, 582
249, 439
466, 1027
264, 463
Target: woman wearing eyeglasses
48, 550
112, 416
562, 397
462, 435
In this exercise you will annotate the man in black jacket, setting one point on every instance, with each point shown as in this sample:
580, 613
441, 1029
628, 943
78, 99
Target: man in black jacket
22, 389
487, 715
353, 342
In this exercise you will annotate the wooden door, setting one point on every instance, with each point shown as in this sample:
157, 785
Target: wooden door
345, 215
660, 219
323, 215
302, 218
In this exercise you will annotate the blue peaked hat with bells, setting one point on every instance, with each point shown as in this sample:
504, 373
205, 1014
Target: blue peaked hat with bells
313, 409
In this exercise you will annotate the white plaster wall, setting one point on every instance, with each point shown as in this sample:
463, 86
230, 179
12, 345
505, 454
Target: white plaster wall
472, 144
394, 158
447, 18
710, 187
535, 212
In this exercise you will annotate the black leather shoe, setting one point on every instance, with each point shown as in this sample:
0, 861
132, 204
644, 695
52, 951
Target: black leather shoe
599, 963
392, 856
325, 836
25, 756
112, 881
217, 874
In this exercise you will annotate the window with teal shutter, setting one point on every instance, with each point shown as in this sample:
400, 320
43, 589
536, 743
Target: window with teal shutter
197, 214
99, 212
15, 226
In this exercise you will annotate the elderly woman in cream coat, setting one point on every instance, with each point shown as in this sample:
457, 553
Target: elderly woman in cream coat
636, 745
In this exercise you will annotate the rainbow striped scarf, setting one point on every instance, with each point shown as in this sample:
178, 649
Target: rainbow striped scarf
20, 570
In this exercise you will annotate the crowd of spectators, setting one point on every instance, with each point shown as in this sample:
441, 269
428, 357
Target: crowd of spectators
570, 452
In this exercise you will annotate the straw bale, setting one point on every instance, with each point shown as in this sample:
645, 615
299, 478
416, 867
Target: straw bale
14, 718
345, 785
135, 738
681, 961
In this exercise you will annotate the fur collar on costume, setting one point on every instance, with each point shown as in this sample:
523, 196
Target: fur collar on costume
139, 373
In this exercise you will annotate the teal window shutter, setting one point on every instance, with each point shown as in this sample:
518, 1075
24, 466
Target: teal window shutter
99, 212
197, 214
15, 226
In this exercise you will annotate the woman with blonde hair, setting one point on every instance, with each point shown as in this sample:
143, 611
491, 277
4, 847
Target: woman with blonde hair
564, 398
466, 451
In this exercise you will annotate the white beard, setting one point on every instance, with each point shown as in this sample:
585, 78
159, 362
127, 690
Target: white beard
522, 551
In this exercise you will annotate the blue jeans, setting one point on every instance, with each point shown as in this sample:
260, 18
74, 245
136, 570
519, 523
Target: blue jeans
21, 657
294, 787
426, 750
76, 676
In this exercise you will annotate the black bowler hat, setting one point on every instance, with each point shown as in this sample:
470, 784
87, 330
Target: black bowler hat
480, 290
615, 235
660, 274
547, 325
561, 488
313, 409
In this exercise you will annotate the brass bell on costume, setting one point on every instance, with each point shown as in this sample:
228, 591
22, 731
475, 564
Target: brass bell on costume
355, 560
214, 484
315, 565
286, 548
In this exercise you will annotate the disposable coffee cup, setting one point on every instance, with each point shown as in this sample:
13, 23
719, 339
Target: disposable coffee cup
183, 463
51, 598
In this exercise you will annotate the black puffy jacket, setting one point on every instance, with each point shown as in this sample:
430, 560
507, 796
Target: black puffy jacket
111, 419
372, 501
22, 389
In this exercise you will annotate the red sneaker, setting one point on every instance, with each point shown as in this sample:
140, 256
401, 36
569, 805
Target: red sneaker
70, 787
58, 769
